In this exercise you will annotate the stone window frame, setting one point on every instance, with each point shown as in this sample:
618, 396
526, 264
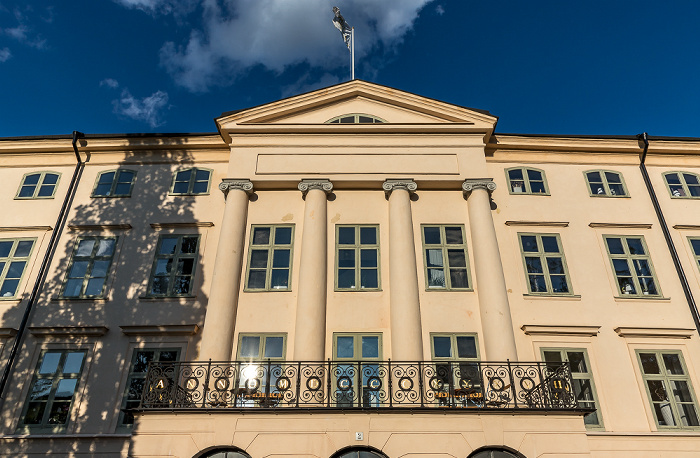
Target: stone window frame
8, 260
630, 263
684, 186
88, 270
39, 184
357, 246
192, 181
115, 181
588, 375
607, 192
542, 255
444, 246
261, 346
356, 119
44, 427
526, 180
139, 375
271, 247
666, 378
176, 257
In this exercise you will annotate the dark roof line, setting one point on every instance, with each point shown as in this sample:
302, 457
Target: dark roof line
120, 135
612, 137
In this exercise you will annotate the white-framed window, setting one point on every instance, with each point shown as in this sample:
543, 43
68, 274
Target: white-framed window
39, 185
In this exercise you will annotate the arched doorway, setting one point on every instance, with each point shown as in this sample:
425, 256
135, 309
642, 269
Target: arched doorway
222, 452
358, 452
495, 452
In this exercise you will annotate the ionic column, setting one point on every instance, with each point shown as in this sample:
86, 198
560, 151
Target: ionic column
406, 331
496, 321
220, 320
310, 333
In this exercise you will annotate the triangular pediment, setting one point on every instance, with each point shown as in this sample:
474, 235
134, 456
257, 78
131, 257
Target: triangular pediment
316, 108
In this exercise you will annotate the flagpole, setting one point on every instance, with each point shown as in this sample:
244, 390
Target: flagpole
352, 53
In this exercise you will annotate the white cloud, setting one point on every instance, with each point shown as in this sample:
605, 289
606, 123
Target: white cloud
23, 32
110, 82
440, 10
240, 34
148, 109
5, 54
177, 7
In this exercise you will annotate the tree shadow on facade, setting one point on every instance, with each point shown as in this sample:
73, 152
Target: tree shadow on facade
128, 316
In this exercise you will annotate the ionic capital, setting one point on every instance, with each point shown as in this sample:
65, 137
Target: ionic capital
470, 185
227, 184
390, 185
306, 185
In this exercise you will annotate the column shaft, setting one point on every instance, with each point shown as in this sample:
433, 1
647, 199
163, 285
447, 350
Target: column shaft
220, 320
496, 321
406, 331
310, 332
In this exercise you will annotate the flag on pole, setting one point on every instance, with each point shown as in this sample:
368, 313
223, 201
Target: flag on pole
344, 27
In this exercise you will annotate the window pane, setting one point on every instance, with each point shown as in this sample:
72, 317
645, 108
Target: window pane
6, 247
550, 244
274, 347
559, 284
695, 243
457, 258
73, 363
32, 179
142, 359
346, 278
368, 235
125, 176
94, 287
346, 235
9, 288
279, 279
283, 235
466, 347
534, 265
612, 177
616, 190
436, 278
453, 235
433, 258
200, 187
650, 364
78, 269
16, 269
672, 178
442, 346
50, 178
164, 266
529, 243
346, 258
515, 174
370, 346
202, 175
577, 361
594, 177
615, 245
256, 279
106, 178
635, 246
167, 245
105, 247
189, 245
184, 175
555, 265
73, 288
50, 362
432, 235
553, 357
368, 258
458, 278
85, 247
345, 347
368, 278
250, 347
673, 364
103, 189
537, 187
26, 191
46, 191
122, 189
181, 188
280, 258
258, 259
537, 284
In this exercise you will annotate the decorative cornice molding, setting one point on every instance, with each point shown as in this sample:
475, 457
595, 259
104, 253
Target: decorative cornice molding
663, 333
190, 225
99, 227
227, 184
621, 225
24, 228
390, 185
6, 333
161, 330
538, 223
324, 185
542, 330
484, 183
68, 331
687, 227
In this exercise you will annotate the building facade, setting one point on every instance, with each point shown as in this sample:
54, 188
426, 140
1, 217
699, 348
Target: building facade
352, 272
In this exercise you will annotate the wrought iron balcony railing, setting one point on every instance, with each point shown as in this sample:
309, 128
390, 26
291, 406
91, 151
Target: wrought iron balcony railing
265, 385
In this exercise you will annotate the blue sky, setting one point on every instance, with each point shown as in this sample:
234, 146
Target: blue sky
547, 67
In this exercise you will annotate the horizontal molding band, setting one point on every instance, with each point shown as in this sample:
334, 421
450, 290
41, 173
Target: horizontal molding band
621, 225
24, 228
538, 223
663, 333
68, 331
161, 330
189, 225
98, 227
7, 332
543, 330
687, 227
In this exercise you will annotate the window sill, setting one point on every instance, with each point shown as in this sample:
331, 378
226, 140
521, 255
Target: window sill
267, 290
642, 298
10, 300
528, 194
611, 197
110, 197
65, 300
445, 290
33, 198
357, 290
167, 298
190, 195
58, 435
679, 432
550, 297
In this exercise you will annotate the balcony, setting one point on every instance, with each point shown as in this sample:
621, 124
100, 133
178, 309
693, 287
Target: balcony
265, 386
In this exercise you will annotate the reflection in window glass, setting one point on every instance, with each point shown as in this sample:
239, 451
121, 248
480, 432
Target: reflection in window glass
445, 257
174, 266
526, 181
89, 267
40, 185
545, 266
357, 258
14, 258
632, 266
605, 183
191, 182
114, 183
269, 258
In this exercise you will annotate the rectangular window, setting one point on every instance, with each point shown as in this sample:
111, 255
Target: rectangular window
605, 183
89, 267
348, 350
456, 370
174, 265
259, 347
14, 256
357, 258
137, 377
445, 257
53, 389
584, 388
695, 245
545, 266
269, 258
631, 266
669, 389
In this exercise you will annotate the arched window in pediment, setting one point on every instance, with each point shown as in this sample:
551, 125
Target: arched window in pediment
355, 118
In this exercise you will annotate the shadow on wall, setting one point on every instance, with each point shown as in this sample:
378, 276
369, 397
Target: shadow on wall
95, 409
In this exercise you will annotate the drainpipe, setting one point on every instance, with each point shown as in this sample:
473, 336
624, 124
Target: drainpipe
644, 140
43, 269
